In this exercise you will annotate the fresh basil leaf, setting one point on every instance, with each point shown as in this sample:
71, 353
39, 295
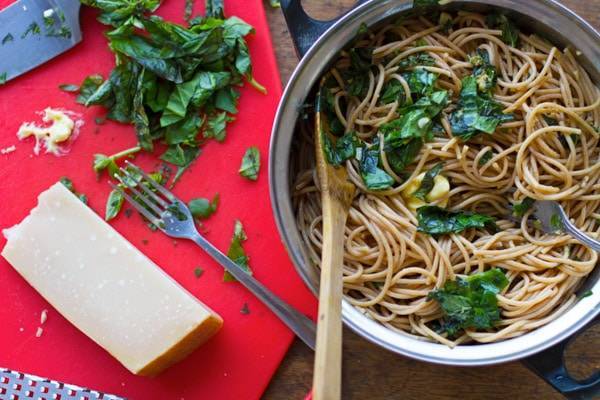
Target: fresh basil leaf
585, 294
226, 99
421, 82
437, 221
140, 118
184, 131
33, 29
471, 302
476, 113
275, 3
392, 91
198, 272
203, 208
113, 204
556, 223
3, 77
510, 33
519, 209
484, 72
215, 9
236, 252
250, 164
400, 157
343, 149
7, 38
117, 12
372, 175
416, 60
486, 157
188, 10
68, 183
123, 83
428, 182
216, 125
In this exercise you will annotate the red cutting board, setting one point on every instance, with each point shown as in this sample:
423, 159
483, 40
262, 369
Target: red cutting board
240, 360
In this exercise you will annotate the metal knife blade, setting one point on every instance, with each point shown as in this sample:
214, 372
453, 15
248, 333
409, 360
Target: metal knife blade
23, 46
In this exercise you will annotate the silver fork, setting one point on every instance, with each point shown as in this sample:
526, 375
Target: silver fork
174, 218
553, 218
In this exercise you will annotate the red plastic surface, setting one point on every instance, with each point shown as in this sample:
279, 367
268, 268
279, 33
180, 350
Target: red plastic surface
240, 360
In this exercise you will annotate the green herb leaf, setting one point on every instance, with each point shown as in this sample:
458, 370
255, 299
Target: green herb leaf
3, 77
416, 60
189, 9
198, 272
250, 163
471, 302
476, 113
69, 185
392, 91
521, 208
437, 221
203, 208
510, 33
33, 29
214, 9
421, 82
275, 3
236, 252
114, 203
484, 72
585, 294
372, 175
556, 223
486, 157
343, 149
215, 126
7, 38
428, 182
120, 12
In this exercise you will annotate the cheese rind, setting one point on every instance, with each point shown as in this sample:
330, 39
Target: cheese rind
106, 287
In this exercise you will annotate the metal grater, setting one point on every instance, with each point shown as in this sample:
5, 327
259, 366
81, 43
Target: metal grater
19, 386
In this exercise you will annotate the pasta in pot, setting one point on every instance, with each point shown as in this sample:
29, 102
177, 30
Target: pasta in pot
541, 144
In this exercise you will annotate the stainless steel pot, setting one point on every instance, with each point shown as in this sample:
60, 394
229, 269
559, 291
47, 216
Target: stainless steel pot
318, 42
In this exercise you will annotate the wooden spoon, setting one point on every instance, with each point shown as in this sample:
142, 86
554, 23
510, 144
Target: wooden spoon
337, 193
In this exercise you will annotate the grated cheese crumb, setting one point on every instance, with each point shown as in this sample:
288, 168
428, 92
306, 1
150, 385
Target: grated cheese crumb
39, 332
43, 316
8, 149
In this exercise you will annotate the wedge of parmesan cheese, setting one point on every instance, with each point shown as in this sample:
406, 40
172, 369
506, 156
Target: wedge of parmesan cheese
106, 287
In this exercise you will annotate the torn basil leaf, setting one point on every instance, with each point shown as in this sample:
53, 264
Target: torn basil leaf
556, 223
250, 163
68, 183
374, 177
519, 209
236, 252
114, 203
437, 221
510, 33
470, 302
486, 157
343, 149
202, 208
476, 112
484, 72
392, 91
428, 182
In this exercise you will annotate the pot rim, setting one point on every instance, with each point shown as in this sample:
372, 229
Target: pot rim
302, 80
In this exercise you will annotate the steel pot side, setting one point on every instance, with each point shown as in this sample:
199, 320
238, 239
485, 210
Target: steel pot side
318, 43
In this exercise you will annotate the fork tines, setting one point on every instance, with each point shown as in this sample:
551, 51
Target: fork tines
148, 202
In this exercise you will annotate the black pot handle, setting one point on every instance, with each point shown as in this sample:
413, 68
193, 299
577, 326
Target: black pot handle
550, 366
305, 30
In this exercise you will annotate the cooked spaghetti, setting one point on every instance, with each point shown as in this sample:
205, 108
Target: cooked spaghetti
457, 118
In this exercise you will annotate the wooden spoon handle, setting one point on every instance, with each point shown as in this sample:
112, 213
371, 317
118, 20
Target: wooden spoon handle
328, 358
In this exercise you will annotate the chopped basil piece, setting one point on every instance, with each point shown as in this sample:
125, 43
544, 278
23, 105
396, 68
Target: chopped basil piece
69, 87
33, 29
437, 221
428, 182
471, 302
203, 208
198, 272
521, 208
236, 252
7, 38
486, 157
250, 164
556, 223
